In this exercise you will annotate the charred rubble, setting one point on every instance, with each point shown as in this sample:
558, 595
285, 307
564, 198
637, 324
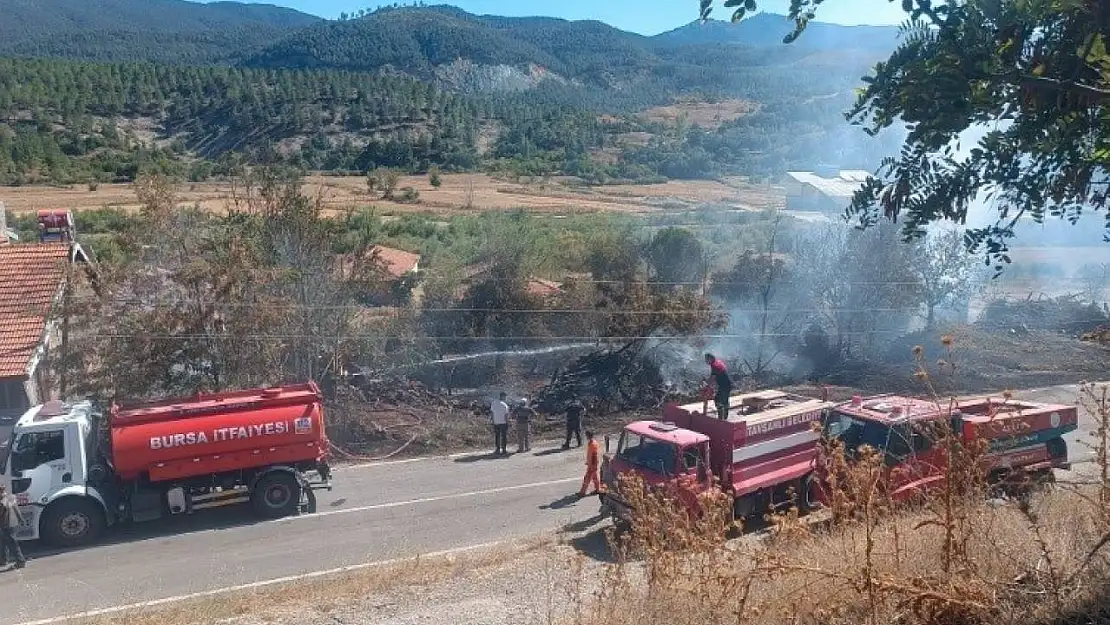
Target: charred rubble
1067, 315
610, 380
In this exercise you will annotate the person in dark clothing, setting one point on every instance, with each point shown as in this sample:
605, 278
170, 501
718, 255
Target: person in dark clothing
524, 415
10, 518
574, 423
718, 377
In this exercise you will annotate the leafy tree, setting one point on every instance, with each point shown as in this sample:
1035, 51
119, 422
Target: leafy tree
677, 256
383, 180
1031, 76
434, 178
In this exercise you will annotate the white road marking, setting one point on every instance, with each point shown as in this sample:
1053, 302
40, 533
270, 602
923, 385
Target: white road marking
260, 584
389, 463
412, 502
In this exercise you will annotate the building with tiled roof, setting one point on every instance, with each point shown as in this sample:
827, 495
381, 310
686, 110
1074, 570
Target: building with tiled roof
397, 263
32, 279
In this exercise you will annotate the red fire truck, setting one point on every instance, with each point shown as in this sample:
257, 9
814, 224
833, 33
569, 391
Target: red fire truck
766, 449
75, 470
768, 454
1022, 438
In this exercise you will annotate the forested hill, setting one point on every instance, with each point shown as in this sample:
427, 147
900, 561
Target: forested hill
191, 89
152, 30
420, 40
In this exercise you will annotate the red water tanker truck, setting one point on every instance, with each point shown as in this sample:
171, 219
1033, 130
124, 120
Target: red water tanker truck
76, 470
768, 453
766, 450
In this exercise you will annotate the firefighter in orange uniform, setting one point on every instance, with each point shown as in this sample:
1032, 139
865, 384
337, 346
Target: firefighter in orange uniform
593, 461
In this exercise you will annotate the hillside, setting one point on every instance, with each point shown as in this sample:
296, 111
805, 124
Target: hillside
419, 41
410, 88
153, 30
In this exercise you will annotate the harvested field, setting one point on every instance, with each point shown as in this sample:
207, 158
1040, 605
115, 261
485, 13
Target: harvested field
458, 193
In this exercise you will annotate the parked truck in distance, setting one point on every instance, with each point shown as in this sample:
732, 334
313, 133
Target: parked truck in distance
1024, 440
768, 453
76, 470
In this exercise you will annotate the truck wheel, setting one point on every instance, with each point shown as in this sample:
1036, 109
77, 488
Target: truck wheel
276, 495
72, 522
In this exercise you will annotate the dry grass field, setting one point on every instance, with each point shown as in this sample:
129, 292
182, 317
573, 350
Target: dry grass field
458, 193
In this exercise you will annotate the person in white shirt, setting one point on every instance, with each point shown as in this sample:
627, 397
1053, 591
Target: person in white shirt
499, 411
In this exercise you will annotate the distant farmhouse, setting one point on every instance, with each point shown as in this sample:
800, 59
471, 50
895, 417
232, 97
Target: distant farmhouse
823, 191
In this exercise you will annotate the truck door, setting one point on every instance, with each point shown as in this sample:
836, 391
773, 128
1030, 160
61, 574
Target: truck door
40, 461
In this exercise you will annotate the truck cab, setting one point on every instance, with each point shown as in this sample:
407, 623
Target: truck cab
659, 452
48, 460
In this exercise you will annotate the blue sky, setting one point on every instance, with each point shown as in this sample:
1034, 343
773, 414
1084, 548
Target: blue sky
643, 16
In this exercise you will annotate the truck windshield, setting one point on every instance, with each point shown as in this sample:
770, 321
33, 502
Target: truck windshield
854, 433
647, 453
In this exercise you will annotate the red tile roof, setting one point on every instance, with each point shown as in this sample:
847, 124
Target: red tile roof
543, 288
30, 276
398, 263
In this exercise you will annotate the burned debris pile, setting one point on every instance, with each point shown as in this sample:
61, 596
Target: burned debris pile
609, 380
1100, 335
1067, 315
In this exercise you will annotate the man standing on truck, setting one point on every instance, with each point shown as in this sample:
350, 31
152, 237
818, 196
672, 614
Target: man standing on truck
593, 462
499, 417
10, 518
524, 415
574, 422
718, 377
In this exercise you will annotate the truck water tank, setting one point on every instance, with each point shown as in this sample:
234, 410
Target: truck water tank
181, 438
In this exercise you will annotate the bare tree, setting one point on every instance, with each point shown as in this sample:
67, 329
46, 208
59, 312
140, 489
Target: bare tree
862, 283
761, 300
946, 271
207, 302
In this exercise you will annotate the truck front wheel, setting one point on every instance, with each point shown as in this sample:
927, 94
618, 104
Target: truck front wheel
72, 522
276, 495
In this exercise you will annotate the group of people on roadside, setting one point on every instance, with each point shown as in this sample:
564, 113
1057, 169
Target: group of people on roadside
524, 414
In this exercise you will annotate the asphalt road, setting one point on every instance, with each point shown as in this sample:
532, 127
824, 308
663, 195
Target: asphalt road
376, 512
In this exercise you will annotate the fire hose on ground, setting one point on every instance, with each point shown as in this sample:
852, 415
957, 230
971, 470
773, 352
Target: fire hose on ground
416, 423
